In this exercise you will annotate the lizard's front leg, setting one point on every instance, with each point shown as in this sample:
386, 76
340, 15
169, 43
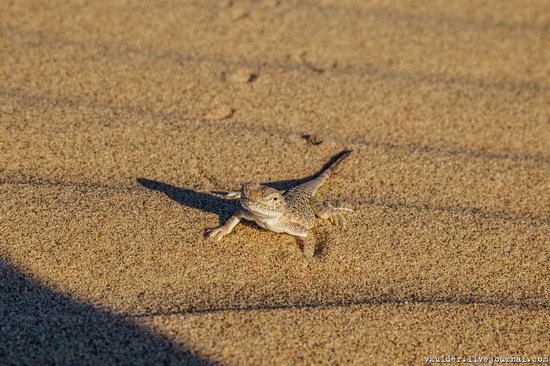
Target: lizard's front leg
227, 227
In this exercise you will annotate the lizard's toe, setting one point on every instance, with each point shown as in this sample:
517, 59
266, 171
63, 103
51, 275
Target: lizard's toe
215, 232
338, 219
343, 209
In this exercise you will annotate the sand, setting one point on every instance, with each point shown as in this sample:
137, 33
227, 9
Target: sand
118, 118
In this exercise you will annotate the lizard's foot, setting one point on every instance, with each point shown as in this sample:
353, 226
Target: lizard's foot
336, 217
332, 213
217, 232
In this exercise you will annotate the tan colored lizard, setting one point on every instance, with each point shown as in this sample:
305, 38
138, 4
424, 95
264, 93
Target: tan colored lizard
292, 212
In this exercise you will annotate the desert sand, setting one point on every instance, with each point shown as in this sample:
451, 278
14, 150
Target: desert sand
118, 118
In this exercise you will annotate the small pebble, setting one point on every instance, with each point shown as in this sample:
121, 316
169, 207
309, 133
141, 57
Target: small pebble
243, 76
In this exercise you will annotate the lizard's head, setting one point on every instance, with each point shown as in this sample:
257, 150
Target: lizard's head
262, 200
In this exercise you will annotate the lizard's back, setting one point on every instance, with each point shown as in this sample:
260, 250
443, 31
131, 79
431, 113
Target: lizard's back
299, 209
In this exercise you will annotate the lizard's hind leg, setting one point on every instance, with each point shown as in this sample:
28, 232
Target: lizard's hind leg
326, 211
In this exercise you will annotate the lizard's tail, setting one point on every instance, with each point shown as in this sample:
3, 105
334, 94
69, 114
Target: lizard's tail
326, 171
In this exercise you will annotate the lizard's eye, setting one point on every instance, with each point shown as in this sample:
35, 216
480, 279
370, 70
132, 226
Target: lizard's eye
275, 198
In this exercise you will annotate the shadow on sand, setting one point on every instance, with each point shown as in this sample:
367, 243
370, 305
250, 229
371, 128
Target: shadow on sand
202, 201
39, 326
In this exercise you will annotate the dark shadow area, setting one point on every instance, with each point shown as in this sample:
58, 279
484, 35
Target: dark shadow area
210, 203
39, 326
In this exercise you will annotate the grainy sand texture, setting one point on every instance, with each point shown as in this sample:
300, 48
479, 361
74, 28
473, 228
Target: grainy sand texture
117, 118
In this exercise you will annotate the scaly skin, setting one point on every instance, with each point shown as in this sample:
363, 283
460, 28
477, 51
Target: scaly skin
292, 212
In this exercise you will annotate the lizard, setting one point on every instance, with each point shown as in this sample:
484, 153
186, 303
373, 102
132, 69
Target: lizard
292, 212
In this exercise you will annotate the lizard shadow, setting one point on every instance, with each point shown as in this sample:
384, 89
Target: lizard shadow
194, 199
209, 202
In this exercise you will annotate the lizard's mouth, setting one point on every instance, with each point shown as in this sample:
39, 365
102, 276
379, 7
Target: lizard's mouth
256, 207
